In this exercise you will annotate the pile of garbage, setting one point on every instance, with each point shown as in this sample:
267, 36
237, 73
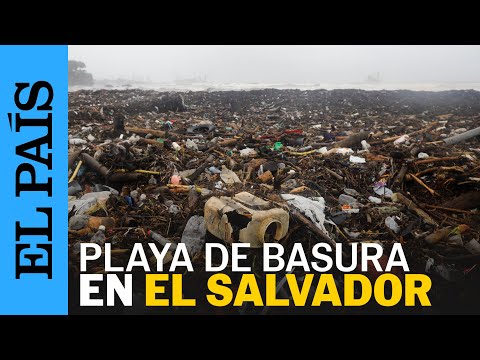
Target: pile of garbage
341, 166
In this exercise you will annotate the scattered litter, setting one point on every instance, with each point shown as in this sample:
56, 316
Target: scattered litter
278, 165
357, 159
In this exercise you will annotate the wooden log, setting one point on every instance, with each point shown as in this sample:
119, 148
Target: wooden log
95, 165
124, 177
228, 142
432, 160
400, 198
462, 137
352, 140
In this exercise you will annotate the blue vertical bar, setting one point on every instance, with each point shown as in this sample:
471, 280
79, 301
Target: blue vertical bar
27, 292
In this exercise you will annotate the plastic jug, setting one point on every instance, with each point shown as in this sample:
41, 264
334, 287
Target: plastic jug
245, 218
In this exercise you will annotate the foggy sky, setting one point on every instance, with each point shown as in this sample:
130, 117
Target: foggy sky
281, 64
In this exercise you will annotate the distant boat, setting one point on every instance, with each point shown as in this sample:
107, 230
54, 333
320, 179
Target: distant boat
375, 78
191, 81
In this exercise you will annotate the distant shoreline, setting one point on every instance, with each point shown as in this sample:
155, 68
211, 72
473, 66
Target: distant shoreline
446, 86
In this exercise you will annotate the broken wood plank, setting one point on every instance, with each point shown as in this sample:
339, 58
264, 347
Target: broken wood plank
431, 160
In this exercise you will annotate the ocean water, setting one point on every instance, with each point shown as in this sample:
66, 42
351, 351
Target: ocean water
432, 86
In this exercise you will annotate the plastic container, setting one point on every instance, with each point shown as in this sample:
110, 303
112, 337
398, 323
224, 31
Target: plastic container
245, 218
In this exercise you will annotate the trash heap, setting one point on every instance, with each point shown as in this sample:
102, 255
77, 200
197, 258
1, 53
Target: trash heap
339, 166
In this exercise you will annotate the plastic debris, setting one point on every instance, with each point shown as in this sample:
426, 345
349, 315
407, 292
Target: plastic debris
392, 224
357, 159
229, 177
245, 218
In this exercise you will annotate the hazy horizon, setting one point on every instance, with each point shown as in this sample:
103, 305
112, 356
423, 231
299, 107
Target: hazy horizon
282, 63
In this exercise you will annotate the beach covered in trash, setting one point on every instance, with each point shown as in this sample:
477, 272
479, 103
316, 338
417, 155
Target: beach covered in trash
287, 166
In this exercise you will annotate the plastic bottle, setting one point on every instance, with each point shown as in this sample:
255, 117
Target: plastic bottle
365, 145
392, 224
176, 147
99, 237
161, 240
346, 199
152, 180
